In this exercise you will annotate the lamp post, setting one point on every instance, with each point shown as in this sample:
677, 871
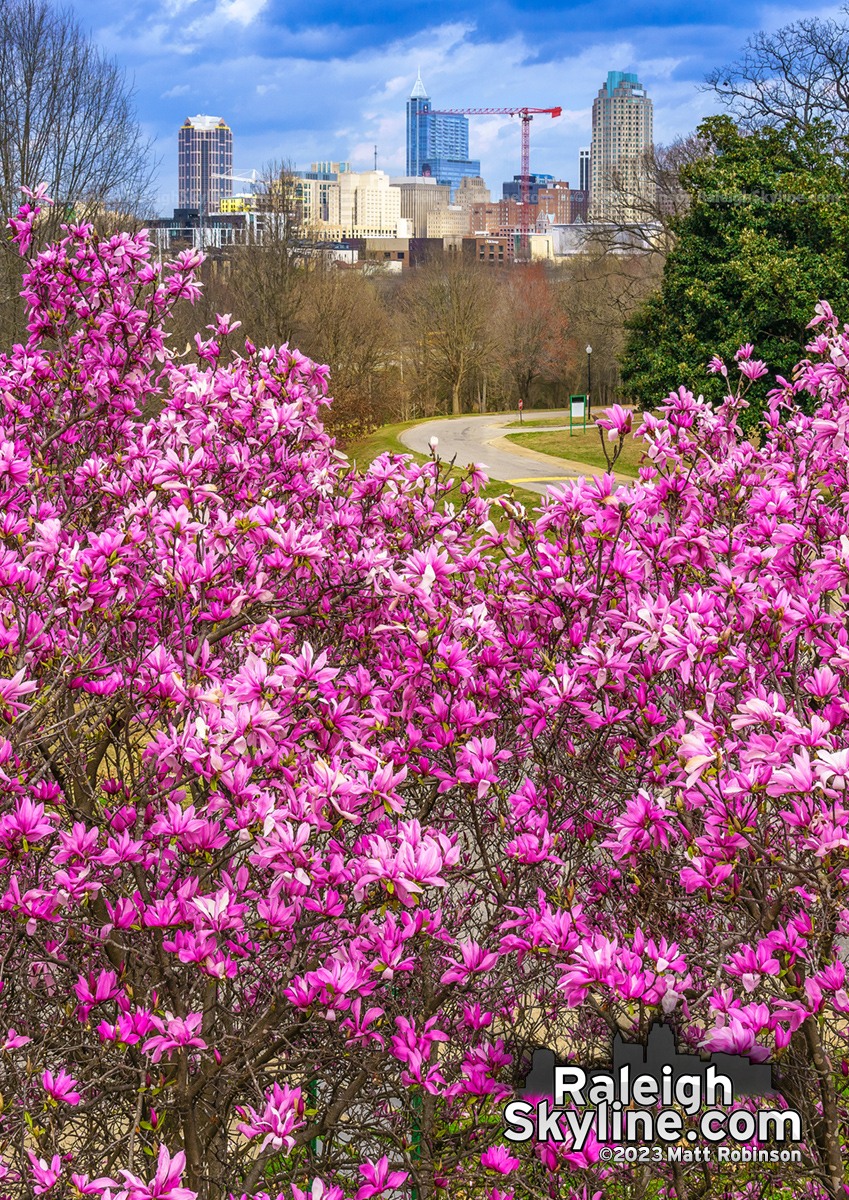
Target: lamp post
589, 378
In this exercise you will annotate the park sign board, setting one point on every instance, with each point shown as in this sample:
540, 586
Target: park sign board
577, 411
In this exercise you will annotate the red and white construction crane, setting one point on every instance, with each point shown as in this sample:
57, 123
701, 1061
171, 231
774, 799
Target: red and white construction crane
527, 115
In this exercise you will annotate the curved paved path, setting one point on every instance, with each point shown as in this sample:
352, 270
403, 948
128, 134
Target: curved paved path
476, 439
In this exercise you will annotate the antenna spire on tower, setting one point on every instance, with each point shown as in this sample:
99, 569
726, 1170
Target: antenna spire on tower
419, 92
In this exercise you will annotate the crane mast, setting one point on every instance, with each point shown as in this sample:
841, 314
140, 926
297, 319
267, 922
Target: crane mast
526, 115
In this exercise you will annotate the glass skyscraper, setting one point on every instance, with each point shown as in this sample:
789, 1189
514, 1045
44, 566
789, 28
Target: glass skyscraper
437, 143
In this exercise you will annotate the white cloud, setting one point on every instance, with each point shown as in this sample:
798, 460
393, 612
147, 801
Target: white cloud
321, 102
660, 68
244, 12
226, 12
361, 99
174, 8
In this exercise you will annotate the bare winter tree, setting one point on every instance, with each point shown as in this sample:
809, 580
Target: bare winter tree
645, 197
66, 116
345, 322
67, 120
531, 330
448, 308
267, 273
599, 292
795, 76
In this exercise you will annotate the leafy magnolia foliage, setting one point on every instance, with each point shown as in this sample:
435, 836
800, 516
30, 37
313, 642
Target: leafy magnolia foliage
764, 237
324, 800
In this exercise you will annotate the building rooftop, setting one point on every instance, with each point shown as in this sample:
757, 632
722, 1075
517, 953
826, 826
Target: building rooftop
616, 78
419, 91
204, 122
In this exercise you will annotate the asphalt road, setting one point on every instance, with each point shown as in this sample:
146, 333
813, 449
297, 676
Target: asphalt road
480, 440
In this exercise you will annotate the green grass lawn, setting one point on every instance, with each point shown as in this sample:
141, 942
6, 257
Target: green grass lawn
584, 447
386, 440
538, 422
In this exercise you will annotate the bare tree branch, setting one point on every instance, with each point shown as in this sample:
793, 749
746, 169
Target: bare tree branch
795, 76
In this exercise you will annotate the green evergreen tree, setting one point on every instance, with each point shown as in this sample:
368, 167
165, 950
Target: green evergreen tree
766, 236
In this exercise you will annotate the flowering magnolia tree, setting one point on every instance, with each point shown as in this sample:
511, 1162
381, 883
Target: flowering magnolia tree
324, 800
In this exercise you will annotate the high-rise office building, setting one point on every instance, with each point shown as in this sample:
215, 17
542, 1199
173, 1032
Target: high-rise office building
418, 126
584, 169
368, 205
205, 163
472, 190
622, 133
437, 143
420, 195
512, 190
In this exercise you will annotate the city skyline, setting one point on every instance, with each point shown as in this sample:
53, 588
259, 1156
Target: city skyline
332, 84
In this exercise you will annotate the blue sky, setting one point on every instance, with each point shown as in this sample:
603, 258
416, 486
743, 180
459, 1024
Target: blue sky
328, 80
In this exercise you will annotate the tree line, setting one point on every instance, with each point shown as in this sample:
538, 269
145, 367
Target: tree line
763, 234
449, 336
744, 229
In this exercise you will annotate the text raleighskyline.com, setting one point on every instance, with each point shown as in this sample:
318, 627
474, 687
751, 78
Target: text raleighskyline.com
664, 1098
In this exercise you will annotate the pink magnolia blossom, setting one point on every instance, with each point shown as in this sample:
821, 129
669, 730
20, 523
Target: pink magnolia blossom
14, 1040
175, 1033
101, 1187
166, 1183
61, 1087
45, 1175
617, 422
375, 783
378, 1178
282, 1115
319, 1190
474, 960
498, 1158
